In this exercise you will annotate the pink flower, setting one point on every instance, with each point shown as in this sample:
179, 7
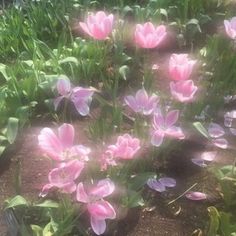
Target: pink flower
125, 148
230, 27
147, 36
81, 97
205, 157
98, 25
99, 209
61, 147
164, 126
161, 184
180, 66
216, 132
183, 91
142, 103
63, 177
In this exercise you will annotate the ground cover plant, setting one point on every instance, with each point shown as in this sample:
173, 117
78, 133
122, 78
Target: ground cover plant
148, 80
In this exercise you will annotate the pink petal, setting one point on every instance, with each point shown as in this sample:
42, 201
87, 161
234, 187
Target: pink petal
85, 28
168, 182
158, 121
220, 142
80, 151
171, 118
141, 97
66, 135
233, 131
81, 195
175, 132
131, 102
63, 85
196, 196
98, 226
50, 143
215, 130
157, 138
45, 190
198, 161
104, 188
57, 101
208, 156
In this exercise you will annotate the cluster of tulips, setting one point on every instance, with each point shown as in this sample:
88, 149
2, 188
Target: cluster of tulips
71, 160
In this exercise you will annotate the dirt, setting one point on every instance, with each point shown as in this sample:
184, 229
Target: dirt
158, 219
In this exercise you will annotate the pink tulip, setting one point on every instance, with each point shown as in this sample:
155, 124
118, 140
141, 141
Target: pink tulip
63, 177
142, 103
80, 97
147, 36
99, 209
180, 66
183, 91
164, 126
230, 27
216, 132
205, 157
60, 147
98, 25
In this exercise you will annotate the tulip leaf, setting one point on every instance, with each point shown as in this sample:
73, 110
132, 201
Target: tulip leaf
69, 60
214, 221
12, 129
201, 129
16, 201
48, 204
124, 70
37, 230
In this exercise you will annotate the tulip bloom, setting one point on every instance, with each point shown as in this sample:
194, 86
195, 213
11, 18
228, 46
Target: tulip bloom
63, 177
98, 25
147, 36
98, 208
183, 91
215, 131
230, 27
164, 126
61, 147
205, 157
161, 184
180, 66
80, 97
142, 103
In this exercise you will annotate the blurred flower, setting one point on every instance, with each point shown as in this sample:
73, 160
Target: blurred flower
98, 25
229, 117
125, 148
183, 91
164, 126
63, 177
147, 36
81, 97
180, 66
142, 103
161, 184
196, 196
215, 132
203, 158
99, 209
61, 147
230, 27
155, 67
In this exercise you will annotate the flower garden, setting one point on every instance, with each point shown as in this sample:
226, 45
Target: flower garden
118, 117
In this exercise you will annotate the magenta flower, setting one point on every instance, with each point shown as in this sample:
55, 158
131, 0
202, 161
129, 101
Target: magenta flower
164, 126
98, 25
204, 158
196, 196
142, 103
147, 36
80, 97
63, 177
180, 66
125, 148
161, 184
183, 91
216, 132
230, 27
98, 208
60, 147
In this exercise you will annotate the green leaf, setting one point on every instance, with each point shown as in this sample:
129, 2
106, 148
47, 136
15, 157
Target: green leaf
16, 201
69, 59
138, 181
124, 70
2, 148
37, 230
133, 199
12, 129
201, 129
48, 204
214, 221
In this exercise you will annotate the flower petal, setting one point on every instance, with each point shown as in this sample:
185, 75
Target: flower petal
104, 188
156, 185
196, 196
81, 195
66, 135
98, 226
168, 182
